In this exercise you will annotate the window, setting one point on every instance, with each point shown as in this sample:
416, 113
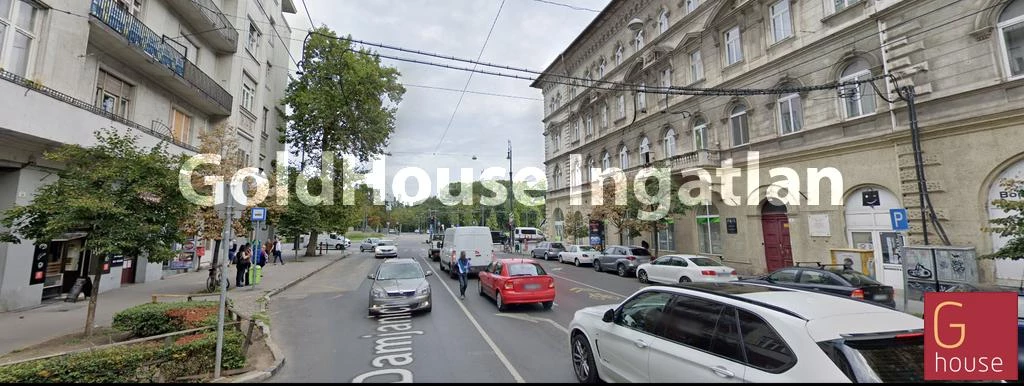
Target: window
705, 325
18, 21
600, 69
577, 174
113, 95
557, 178
738, 124
266, 78
856, 101
663, 21
266, 119
618, 56
709, 230
181, 126
781, 23
790, 113
624, 158
641, 98
590, 166
764, 347
604, 116
606, 161
554, 141
1011, 37
248, 93
700, 134
576, 130
691, 5
621, 106
590, 80
733, 46
253, 44
644, 311
638, 40
645, 151
590, 125
666, 78
696, 67
666, 240
784, 276
670, 143
818, 277
833, 6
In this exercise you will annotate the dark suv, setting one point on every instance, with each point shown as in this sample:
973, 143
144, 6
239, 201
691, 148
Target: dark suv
834, 279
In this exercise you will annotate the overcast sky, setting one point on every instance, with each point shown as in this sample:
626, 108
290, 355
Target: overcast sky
528, 34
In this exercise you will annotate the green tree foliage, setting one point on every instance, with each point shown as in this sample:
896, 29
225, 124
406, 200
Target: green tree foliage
124, 196
1011, 226
627, 217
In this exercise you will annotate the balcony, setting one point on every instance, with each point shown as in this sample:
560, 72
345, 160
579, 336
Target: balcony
695, 160
205, 17
126, 38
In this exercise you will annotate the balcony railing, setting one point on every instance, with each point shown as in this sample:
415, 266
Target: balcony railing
220, 22
695, 159
152, 44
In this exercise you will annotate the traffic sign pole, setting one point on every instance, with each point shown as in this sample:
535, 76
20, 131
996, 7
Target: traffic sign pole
229, 214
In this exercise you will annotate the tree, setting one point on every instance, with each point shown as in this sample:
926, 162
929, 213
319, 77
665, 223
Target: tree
125, 197
345, 102
626, 215
576, 227
1011, 226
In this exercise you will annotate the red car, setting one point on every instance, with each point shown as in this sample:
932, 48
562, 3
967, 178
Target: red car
517, 281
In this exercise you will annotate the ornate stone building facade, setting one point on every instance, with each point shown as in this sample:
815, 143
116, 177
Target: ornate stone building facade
964, 59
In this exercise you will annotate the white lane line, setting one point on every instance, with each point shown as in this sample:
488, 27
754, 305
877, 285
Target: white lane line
588, 285
487, 338
533, 319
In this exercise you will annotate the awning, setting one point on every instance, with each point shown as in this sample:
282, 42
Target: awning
71, 236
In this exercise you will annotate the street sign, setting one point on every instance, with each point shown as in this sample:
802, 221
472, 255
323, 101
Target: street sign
899, 220
259, 214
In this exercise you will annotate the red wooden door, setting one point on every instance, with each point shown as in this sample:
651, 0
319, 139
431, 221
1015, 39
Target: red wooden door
128, 271
777, 249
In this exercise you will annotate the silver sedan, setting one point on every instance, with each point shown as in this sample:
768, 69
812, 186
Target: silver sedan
399, 283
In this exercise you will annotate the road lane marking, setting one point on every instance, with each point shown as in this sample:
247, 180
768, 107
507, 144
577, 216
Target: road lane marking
487, 338
593, 294
588, 285
532, 319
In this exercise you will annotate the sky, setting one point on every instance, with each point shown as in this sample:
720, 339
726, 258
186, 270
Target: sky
526, 34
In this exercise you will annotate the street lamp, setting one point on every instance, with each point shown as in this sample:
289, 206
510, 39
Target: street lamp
636, 24
510, 214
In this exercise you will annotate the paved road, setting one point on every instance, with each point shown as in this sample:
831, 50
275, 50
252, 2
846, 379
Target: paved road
322, 327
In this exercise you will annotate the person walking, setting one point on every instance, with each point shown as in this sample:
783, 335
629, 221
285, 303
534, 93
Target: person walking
463, 264
277, 251
242, 262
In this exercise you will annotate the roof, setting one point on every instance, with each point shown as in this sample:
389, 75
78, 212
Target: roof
804, 304
517, 260
584, 34
400, 261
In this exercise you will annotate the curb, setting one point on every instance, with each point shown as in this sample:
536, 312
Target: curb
261, 375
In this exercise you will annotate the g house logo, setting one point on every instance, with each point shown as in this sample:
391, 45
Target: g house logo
970, 336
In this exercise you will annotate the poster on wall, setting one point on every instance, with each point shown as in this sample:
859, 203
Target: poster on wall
818, 225
955, 265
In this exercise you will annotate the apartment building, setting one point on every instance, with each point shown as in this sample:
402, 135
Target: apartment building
964, 59
164, 70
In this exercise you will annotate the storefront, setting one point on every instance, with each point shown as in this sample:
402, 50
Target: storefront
868, 227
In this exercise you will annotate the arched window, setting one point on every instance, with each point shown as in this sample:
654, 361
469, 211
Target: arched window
618, 56
624, 158
857, 102
663, 21
606, 161
645, 151
600, 69
639, 40
1011, 38
700, 134
577, 174
738, 125
709, 229
590, 167
670, 143
790, 113
557, 177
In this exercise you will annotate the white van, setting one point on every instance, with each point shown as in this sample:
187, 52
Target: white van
527, 233
331, 240
475, 241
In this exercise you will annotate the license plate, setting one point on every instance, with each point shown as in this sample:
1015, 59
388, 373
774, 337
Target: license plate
532, 286
723, 274
881, 297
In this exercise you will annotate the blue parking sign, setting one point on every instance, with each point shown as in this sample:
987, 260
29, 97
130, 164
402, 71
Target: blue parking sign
259, 214
898, 218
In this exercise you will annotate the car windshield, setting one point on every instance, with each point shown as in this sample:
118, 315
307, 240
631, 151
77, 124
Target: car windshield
856, 278
525, 269
400, 271
527, 231
704, 262
384, 243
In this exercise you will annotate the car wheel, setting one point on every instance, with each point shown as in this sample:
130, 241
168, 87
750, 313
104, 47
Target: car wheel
337, 246
597, 266
684, 279
583, 360
499, 302
547, 305
622, 270
642, 277
577, 262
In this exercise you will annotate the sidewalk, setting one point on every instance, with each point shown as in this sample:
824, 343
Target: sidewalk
34, 326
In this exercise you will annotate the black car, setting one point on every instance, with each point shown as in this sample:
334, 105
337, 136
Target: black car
833, 279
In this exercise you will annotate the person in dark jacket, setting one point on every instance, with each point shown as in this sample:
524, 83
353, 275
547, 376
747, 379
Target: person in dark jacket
242, 262
463, 265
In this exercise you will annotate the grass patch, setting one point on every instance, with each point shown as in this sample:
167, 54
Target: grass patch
360, 236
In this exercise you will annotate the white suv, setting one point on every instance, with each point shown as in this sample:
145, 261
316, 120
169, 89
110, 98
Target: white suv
744, 332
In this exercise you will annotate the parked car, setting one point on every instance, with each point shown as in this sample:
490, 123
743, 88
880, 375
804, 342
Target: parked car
622, 259
385, 249
744, 332
684, 269
399, 283
517, 281
833, 279
578, 254
368, 244
547, 250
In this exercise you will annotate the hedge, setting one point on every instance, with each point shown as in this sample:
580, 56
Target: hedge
147, 362
151, 319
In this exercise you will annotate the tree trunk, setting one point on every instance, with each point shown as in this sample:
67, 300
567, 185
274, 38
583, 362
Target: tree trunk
216, 253
90, 317
311, 246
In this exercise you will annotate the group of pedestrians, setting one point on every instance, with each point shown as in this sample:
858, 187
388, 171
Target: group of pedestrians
243, 258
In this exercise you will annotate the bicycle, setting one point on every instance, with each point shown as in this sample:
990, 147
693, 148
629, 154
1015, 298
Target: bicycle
214, 279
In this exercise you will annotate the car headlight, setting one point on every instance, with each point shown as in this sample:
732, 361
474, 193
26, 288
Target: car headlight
378, 292
423, 290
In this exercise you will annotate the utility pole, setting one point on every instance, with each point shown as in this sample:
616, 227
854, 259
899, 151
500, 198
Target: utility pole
229, 214
511, 223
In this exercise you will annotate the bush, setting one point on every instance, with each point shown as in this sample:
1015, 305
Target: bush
160, 318
147, 362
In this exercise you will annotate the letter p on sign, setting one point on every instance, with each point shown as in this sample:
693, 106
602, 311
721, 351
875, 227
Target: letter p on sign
898, 218
970, 336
